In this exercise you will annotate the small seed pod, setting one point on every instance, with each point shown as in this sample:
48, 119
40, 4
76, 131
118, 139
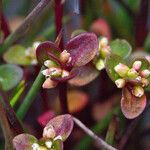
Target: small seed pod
48, 84
138, 91
120, 83
137, 65
145, 73
64, 56
121, 69
132, 73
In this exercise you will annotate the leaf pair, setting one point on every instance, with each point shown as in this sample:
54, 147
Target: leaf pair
62, 126
131, 105
82, 49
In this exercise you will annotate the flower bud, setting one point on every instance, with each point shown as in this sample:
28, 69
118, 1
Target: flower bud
64, 56
35, 146
103, 42
137, 65
100, 64
36, 44
49, 132
55, 72
121, 69
65, 73
144, 82
120, 83
49, 63
48, 144
132, 73
138, 91
48, 83
46, 72
105, 51
145, 73
138, 78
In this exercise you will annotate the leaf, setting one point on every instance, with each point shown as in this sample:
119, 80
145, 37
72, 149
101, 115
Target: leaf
62, 125
82, 48
121, 48
101, 28
77, 32
44, 118
24, 142
43, 49
10, 76
86, 74
77, 100
16, 55
58, 145
110, 62
132, 106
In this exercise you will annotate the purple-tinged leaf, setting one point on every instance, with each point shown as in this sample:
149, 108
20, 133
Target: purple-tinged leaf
24, 142
62, 125
132, 106
43, 49
85, 75
82, 48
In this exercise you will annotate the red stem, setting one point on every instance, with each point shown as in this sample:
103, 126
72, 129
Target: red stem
58, 24
4, 25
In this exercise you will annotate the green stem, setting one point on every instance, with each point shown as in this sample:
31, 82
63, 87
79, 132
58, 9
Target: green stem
28, 100
98, 128
111, 132
24, 27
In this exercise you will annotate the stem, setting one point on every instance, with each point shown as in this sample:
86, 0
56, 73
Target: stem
93, 135
141, 23
8, 133
28, 100
58, 15
62, 86
24, 27
63, 97
85, 142
111, 131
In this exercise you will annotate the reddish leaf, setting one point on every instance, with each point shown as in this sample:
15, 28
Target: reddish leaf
43, 49
77, 100
82, 48
85, 75
101, 27
132, 106
62, 125
45, 117
24, 142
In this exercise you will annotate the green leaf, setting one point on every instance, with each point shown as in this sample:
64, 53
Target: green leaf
110, 62
10, 76
121, 48
16, 55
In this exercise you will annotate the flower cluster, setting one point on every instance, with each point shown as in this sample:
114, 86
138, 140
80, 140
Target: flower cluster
133, 76
103, 51
54, 71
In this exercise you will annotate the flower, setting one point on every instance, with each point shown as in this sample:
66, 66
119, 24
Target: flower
66, 64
